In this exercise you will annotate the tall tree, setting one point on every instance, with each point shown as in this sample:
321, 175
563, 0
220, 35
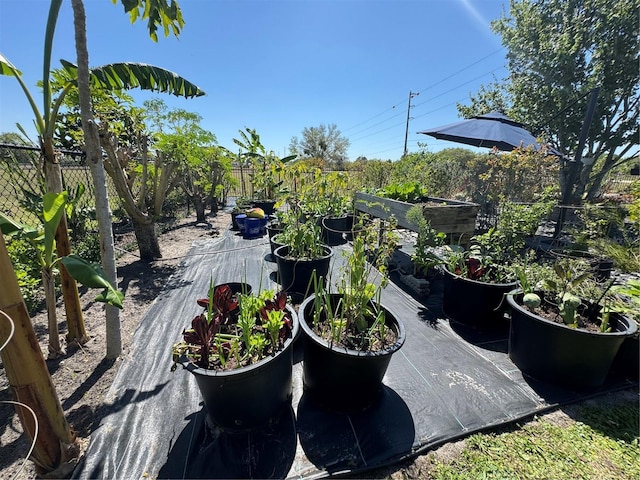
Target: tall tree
324, 142
558, 52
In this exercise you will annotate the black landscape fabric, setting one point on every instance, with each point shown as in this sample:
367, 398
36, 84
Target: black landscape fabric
445, 383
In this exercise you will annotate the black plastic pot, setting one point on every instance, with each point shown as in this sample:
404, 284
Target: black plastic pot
274, 229
475, 303
295, 275
340, 379
561, 355
234, 223
267, 206
334, 228
251, 396
627, 361
237, 287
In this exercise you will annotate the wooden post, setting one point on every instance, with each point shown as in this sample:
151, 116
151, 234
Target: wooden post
29, 377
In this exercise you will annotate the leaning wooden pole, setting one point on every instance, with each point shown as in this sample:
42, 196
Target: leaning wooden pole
29, 377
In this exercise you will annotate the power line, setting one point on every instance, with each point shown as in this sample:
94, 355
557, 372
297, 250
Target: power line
423, 90
422, 103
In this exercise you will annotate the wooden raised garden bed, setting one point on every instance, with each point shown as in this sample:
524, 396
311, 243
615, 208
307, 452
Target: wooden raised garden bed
456, 219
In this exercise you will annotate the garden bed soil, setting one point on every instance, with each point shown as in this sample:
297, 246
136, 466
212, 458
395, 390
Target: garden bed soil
83, 376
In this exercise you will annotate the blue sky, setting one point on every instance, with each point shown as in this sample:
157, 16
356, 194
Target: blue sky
282, 65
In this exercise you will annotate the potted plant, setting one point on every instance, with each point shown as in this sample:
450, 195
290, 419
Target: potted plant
350, 336
267, 169
627, 302
240, 208
477, 279
426, 253
300, 254
558, 337
239, 349
325, 199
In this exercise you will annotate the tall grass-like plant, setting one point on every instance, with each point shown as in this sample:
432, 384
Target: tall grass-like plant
356, 320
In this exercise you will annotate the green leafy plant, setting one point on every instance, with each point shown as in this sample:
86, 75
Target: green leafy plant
326, 195
353, 318
268, 168
410, 192
493, 255
302, 236
425, 256
235, 329
27, 270
42, 240
565, 291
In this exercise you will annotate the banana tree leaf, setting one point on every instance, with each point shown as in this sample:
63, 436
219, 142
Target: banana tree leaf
53, 208
92, 276
7, 68
129, 75
9, 226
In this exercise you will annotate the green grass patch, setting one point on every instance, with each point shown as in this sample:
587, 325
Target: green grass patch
602, 443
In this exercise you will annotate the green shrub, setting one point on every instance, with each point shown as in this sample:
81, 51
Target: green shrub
27, 272
88, 247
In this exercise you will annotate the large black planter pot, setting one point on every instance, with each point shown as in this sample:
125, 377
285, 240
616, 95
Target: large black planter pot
267, 206
234, 223
333, 229
274, 229
627, 361
237, 287
340, 379
555, 353
251, 396
294, 275
478, 304
600, 267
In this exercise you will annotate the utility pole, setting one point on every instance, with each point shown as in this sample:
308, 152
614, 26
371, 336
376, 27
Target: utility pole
406, 131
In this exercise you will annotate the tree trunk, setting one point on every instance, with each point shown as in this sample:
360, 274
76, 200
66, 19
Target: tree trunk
199, 207
48, 284
147, 240
28, 376
94, 159
72, 306
143, 223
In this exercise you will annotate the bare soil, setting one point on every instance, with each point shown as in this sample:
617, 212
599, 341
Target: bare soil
83, 376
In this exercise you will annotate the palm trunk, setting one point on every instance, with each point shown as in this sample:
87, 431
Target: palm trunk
94, 159
29, 377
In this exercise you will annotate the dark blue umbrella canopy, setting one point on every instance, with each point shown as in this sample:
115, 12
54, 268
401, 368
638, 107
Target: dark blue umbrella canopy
490, 130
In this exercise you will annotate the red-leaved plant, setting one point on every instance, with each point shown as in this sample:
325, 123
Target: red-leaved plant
235, 330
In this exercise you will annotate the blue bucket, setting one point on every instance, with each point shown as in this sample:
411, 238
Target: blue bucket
241, 221
252, 227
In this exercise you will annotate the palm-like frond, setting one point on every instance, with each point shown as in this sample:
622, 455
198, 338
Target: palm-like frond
131, 75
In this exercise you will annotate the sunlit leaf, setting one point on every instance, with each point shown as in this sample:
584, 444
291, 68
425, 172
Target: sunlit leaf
129, 75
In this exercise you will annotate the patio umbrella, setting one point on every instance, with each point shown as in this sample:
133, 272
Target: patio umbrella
490, 130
